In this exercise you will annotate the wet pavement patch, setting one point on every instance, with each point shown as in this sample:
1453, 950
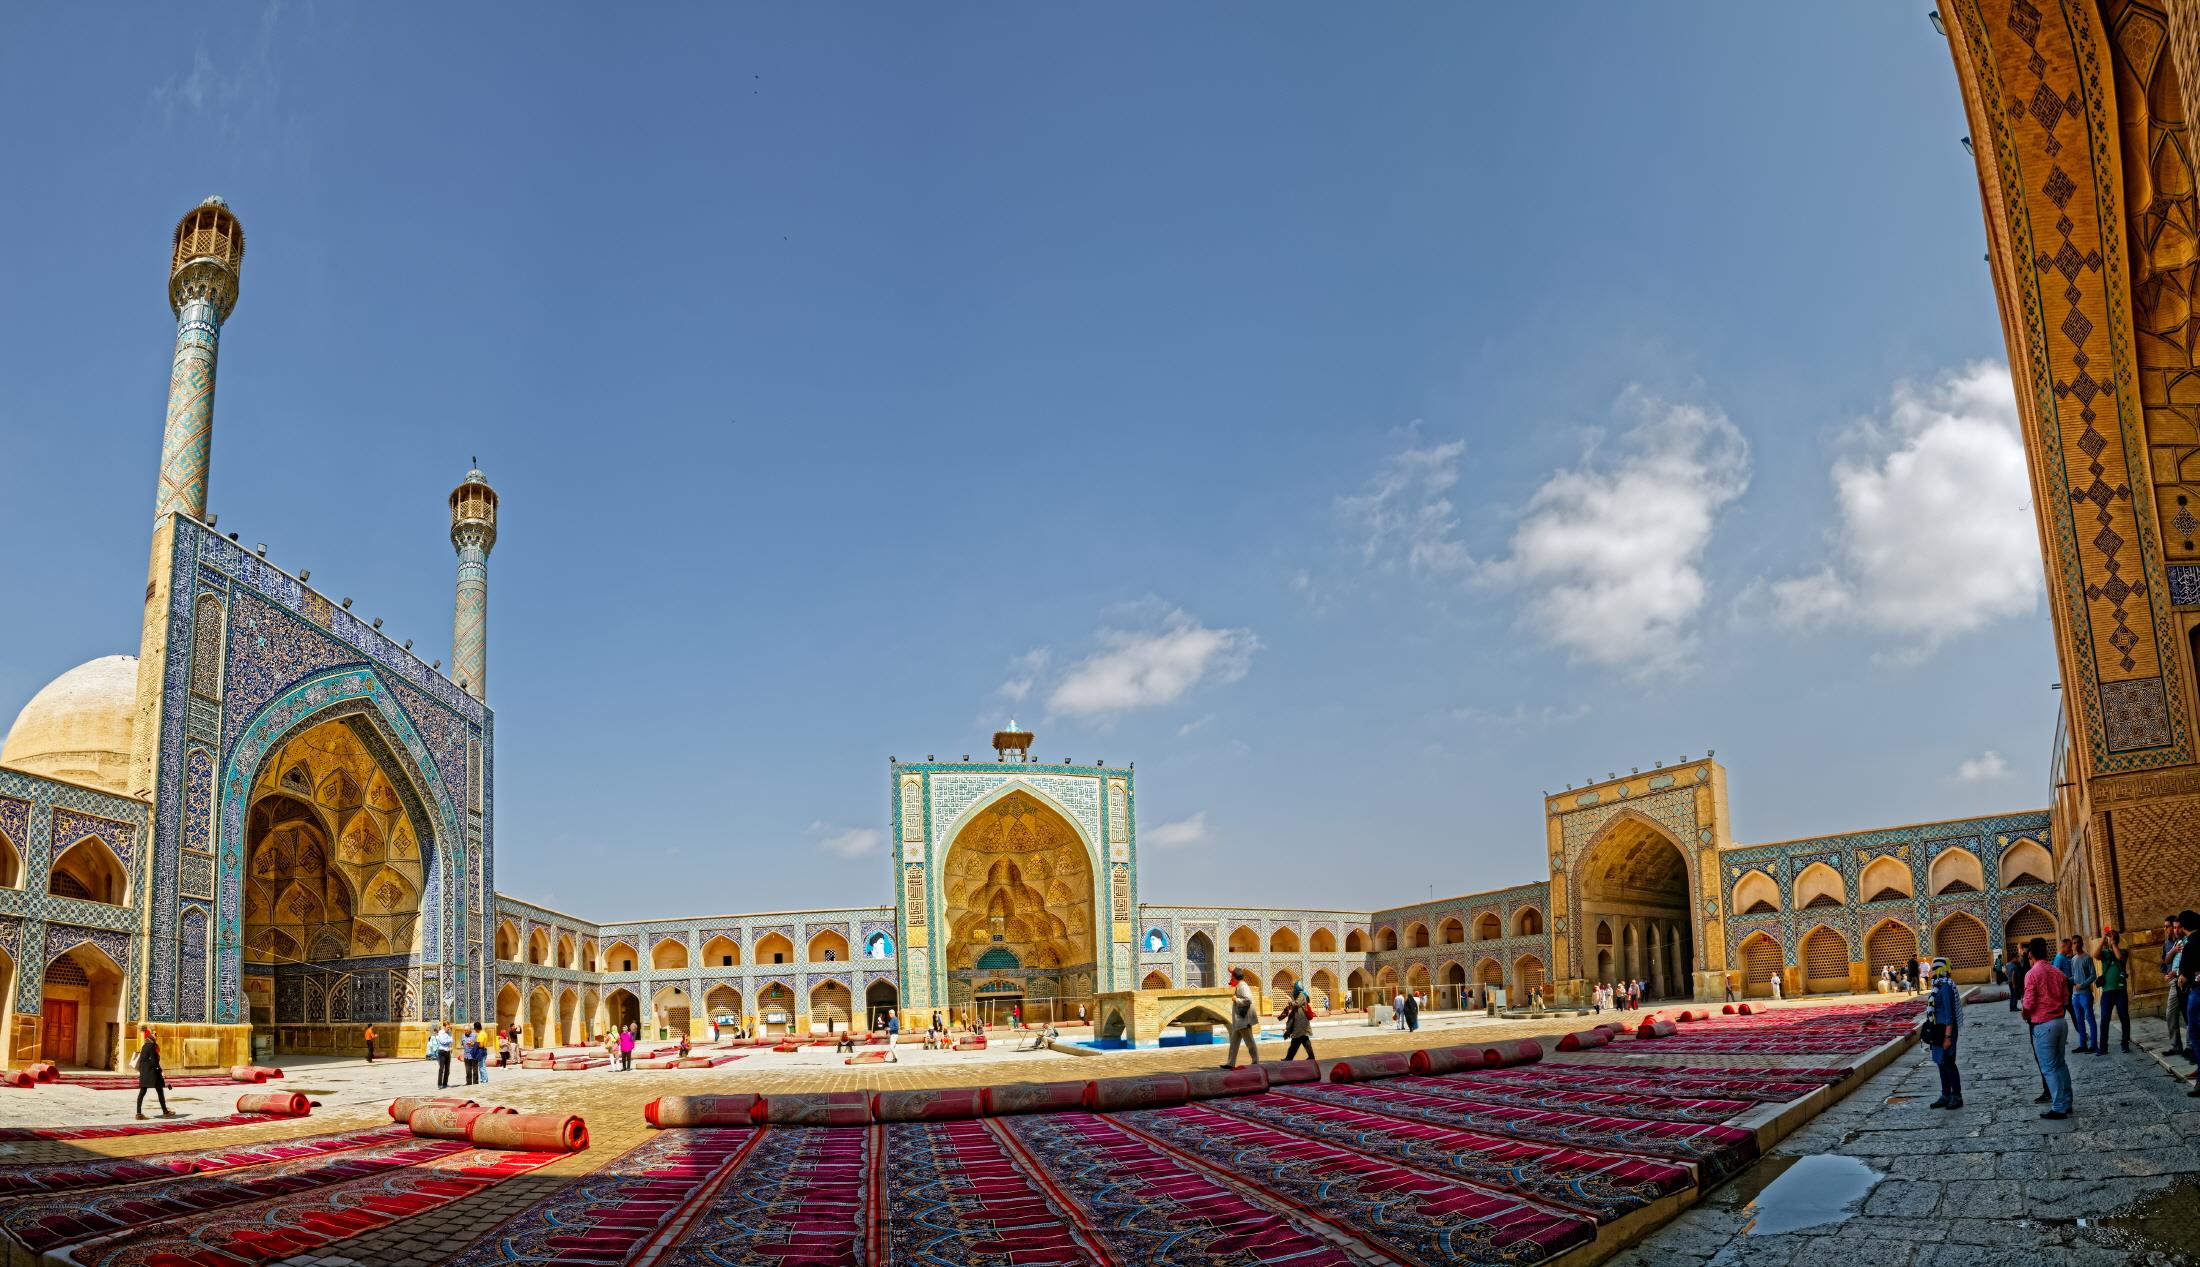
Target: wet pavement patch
2166, 1222
1785, 1193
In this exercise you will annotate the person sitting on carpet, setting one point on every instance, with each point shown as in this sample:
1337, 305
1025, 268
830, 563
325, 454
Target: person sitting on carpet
683, 1046
847, 1041
149, 1076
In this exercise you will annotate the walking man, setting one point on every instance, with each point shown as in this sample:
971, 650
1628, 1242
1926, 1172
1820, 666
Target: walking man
439, 1046
1727, 979
2115, 988
149, 1075
2046, 1003
2173, 943
1244, 1024
1298, 1023
369, 1036
1945, 1015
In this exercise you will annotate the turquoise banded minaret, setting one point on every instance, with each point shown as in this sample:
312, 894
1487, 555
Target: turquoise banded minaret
202, 291
473, 535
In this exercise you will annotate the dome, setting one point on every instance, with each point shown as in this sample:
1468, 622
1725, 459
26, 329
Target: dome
80, 727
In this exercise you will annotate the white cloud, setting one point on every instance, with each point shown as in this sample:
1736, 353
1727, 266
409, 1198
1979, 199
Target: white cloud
1023, 674
1986, 767
1935, 537
1610, 551
1405, 516
1177, 835
850, 842
1190, 726
1148, 669
1520, 715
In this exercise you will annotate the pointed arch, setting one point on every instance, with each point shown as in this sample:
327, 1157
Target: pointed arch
1528, 922
90, 871
1760, 958
2030, 920
672, 1010
80, 1010
588, 955
1281, 983
1961, 940
828, 945
1386, 981
1755, 894
507, 1006
620, 956
1885, 879
1891, 942
569, 1006
721, 1002
622, 1007
1820, 885
1244, 941
1284, 941
1416, 935
1323, 987
1528, 976
538, 947
1095, 855
1487, 927
670, 954
1451, 932
1355, 942
830, 1006
507, 940
1323, 942
774, 947
1417, 979
1386, 939
565, 951
1955, 870
1155, 980
1825, 960
11, 866
2025, 862
539, 1031
1489, 972
721, 952
1356, 987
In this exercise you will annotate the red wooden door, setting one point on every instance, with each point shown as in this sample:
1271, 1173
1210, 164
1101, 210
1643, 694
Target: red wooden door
58, 1042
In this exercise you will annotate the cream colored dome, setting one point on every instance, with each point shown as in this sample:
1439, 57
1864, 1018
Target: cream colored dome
80, 727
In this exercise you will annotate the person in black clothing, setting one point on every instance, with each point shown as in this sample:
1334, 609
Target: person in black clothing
1298, 1023
149, 1079
1413, 1011
2188, 973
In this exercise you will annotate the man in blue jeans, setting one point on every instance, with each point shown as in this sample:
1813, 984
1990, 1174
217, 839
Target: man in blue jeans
2046, 1000
2078, 966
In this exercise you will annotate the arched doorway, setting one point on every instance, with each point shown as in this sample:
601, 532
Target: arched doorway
538, 1017
1155, 980
775, 1008
1961, 939
2026, 924
1635, 877
1825, 961
507, 1007
1323, 987
1527, 979
1199, 958
569, 1006
1019, 890
829, 1002
1761, 960
880, 999
80, 1010
670, 1011
1891, 943
1451, 990
337, 851
622, 1009
723, 1004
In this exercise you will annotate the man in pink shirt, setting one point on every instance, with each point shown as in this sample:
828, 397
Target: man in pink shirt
2046, 999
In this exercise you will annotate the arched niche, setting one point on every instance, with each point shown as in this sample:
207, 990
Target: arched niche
1955, 870
1819, 885
1756, 894
1885, 879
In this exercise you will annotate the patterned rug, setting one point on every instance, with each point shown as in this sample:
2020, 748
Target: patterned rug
1575, 1098
1719, 1150
1763, 1086
276, 1226
157, 1126
48, 1222
96, 1172
606, 1217
129, 1081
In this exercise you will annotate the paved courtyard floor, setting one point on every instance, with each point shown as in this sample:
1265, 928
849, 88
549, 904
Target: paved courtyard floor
1986, 1186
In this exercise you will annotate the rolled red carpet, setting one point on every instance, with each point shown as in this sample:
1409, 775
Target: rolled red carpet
17, 1078
1524, 1051
445, 1121
928, 1106
530, 1132
1442, 1060
817, 1108
1138, 1091
44, 1071
1381, 1064
1656, 1029
1584, 1040
1727, 1009
1013, 1098
719, 1111
275, 1103
1206, 1084
401, 1108
1286, 1072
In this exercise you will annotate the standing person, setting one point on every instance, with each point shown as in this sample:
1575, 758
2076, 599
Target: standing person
1298, 1023
149, 1075
2188, 974
1413, 1011
2046, 1003
626, 1048
2115, 988
1727, 979
2078, 966
1945, 1010
1775, 979
439, 1046
1080, 1014
2014, 965
1244, 1023
368, 1037
469, 1051
1398, 1009
492, 1043
611, 1048
2173, 1012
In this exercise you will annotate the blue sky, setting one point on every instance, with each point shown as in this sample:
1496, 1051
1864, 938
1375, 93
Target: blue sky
1361, 419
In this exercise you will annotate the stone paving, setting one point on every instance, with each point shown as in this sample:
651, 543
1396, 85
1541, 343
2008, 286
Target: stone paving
1985, 1186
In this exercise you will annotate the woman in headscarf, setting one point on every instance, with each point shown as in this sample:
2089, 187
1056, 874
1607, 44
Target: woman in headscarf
149, 1077
1945, 1010
1298, 1022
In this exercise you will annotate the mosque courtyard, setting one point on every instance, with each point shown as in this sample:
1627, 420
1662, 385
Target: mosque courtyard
1624, 1152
